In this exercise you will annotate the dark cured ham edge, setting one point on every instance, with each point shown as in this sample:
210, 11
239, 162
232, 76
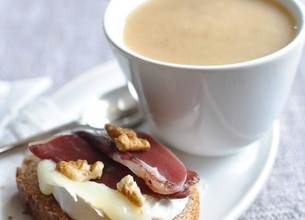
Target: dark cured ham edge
161, 170
71, 147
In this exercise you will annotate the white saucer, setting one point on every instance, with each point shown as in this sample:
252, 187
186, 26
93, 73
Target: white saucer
229, 185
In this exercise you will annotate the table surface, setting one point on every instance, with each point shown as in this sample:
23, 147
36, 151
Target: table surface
64, 38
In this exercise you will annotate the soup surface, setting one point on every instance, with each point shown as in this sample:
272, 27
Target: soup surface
208, 32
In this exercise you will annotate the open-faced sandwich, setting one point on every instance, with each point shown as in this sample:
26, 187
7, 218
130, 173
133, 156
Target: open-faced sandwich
115, 174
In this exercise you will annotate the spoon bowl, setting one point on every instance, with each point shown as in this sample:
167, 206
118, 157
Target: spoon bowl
117, 106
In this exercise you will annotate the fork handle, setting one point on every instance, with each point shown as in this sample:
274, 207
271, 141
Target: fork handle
40, 136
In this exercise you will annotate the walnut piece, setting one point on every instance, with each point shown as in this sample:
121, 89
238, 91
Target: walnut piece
126, 139
115, 131
80, 170
129, 188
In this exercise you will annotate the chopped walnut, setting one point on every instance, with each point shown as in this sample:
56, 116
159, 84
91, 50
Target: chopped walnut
115, 131
126, 139
128, 187
80, 170
125, 143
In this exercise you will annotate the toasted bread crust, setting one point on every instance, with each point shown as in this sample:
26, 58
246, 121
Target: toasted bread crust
41, 206
46, 208
192, 208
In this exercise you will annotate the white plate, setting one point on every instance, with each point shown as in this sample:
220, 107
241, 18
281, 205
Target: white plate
229, 184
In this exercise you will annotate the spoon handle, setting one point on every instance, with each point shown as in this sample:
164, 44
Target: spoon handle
40, 136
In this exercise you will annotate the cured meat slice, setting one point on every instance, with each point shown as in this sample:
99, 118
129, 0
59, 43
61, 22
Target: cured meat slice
65, 147
71, 147
161, 170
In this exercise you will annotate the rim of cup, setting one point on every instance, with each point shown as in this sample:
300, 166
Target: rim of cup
299, 14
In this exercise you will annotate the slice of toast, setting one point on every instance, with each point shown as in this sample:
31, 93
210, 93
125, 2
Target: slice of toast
46, 208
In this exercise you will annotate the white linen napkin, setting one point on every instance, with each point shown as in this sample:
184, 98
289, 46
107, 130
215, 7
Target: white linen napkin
22, 109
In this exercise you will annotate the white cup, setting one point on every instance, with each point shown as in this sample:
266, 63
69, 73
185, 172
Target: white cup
208, 110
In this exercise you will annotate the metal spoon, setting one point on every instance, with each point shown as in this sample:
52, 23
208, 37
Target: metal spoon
118, 106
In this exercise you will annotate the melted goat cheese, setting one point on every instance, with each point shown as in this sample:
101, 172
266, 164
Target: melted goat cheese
95, 201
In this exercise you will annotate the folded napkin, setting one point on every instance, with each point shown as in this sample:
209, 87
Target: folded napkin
23, 111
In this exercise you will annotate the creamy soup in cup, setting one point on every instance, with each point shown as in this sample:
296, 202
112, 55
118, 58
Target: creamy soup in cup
213, 108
